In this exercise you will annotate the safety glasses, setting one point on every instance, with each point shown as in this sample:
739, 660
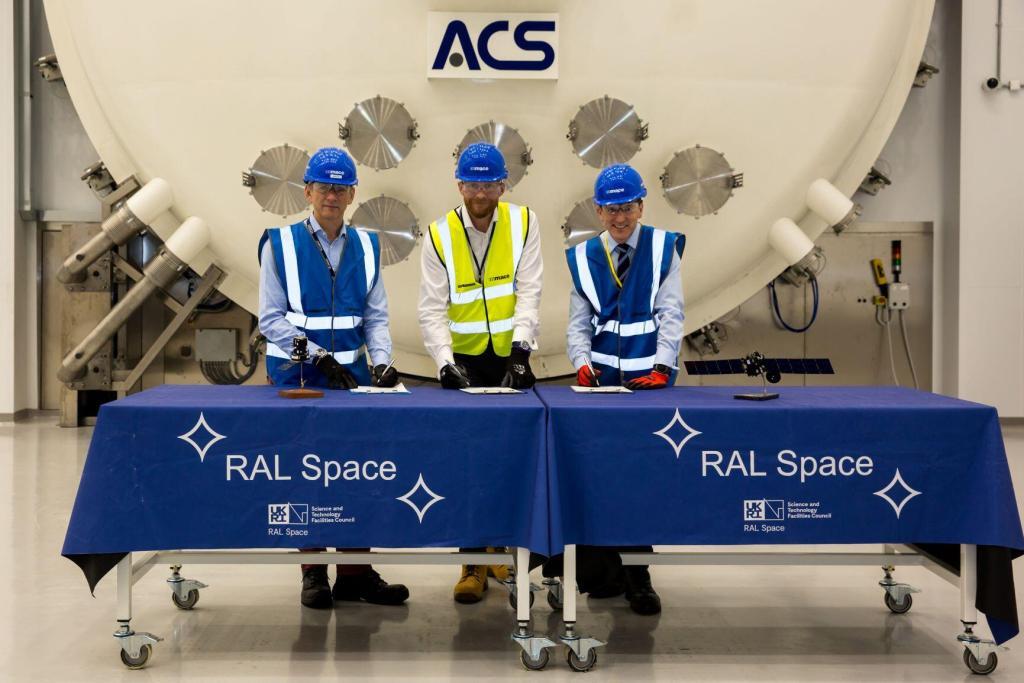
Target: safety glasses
327, 188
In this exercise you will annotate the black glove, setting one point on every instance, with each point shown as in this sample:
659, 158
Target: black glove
518, 374
383, 376
337, 376
454, 377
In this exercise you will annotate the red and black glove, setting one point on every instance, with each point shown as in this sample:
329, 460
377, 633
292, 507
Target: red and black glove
587, 376
657, 379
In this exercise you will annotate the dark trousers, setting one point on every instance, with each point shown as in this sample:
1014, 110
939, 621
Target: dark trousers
485, 370
342, 569
596, 566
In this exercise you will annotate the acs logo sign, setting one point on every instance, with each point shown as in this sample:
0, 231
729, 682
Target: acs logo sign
484, 45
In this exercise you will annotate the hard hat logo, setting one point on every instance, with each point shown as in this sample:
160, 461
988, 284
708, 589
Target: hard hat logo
331, 165
481, 163
618, 184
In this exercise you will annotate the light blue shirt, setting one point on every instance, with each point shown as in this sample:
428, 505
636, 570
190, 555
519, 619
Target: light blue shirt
274, 302
668, 313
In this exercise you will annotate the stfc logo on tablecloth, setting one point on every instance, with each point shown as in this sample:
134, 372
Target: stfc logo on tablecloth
288, 513
764, 510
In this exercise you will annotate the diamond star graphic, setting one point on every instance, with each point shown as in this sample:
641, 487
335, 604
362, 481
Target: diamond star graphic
407, 498
897, 484
201, 425
664, 433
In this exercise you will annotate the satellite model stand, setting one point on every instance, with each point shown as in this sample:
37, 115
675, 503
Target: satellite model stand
300, 354
756, 365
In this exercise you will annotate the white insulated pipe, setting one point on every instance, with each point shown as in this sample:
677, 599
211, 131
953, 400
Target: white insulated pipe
130, 219
170, 262
789, 241
826, 201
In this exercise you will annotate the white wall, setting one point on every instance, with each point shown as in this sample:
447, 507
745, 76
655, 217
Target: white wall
9, 225
991, 278
922, 158
19, 285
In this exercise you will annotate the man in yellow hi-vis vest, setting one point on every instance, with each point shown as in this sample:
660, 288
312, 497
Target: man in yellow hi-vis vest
480, 294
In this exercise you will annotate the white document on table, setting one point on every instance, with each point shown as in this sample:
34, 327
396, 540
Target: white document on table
601, 390
490, 390
397, 389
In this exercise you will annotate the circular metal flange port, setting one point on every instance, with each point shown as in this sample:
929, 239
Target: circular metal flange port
394, 223
379, 132
606, 131
698, 181
276, 180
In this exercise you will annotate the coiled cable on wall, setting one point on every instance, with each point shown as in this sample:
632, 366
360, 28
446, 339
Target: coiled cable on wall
813, 280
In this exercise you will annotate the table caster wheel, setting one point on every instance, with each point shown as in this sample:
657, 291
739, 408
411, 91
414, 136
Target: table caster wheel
512, 600
535, 664
976, 667
553, 600
581, 665
899, 607
144, 654
189, 602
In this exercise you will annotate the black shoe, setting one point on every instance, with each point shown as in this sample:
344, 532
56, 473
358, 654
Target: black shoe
316, 590
371, 588
640, 592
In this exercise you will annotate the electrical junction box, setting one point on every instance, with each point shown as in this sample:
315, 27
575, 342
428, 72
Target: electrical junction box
216, 345
899, 296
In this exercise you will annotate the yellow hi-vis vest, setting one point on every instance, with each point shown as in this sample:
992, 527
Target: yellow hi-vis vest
478, 311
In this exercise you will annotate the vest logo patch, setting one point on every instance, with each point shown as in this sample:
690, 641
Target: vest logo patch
507, 276
466, 285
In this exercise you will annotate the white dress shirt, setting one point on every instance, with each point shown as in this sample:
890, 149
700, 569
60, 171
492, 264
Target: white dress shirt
668, 312
433, 307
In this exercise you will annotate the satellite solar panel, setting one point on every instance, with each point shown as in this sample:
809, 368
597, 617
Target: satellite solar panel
737, 366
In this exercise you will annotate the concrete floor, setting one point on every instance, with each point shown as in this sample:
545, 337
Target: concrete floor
723, 624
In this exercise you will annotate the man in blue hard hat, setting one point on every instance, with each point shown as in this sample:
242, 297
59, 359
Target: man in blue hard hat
625, 328
320, 279
480, 294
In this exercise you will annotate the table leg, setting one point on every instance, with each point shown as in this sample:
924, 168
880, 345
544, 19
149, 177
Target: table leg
136, 647
581, 655
979, 654
535, 648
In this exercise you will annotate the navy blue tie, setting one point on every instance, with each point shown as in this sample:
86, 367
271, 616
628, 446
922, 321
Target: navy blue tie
623, 265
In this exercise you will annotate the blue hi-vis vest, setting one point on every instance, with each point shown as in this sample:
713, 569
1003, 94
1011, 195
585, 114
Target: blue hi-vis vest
329, 314
625, 333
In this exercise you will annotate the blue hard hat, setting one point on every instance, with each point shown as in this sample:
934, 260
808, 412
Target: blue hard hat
481, 163
618, 184
331, 165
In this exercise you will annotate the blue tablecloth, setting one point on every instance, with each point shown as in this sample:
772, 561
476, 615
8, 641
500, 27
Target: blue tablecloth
239, 467
693, 465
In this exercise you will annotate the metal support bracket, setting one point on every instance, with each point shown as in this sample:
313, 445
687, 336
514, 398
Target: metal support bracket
206, 285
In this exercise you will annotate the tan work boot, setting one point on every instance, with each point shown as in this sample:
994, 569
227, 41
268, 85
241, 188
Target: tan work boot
498, 571
472, 584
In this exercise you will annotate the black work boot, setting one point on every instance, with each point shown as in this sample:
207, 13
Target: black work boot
371, 588
316, 590
640, 592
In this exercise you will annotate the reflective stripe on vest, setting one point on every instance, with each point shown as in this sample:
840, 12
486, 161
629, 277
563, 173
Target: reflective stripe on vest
481, 311
323, 322
343, 357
